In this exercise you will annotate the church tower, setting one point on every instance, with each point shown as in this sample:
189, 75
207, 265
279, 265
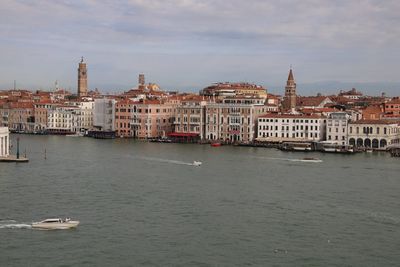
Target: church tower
82, 79
289, 101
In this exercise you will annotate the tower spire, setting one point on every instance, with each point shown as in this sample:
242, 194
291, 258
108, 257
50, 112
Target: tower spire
290, 77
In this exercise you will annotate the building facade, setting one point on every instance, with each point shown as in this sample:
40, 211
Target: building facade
337, 127
189, 119
232, 122
123, 117
152, 119
4, 142
291, 127
64, 120
376, 134
104, 114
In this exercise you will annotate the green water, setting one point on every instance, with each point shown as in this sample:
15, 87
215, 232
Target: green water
144, 204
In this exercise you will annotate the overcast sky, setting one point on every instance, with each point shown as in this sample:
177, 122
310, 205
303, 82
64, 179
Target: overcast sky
188, 44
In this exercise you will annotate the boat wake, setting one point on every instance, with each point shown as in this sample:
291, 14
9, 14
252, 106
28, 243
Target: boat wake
11, 224
178, 162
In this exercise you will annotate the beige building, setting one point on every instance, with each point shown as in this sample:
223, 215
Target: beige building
4, 142
21, 117
376, 134
232, 122
189, 120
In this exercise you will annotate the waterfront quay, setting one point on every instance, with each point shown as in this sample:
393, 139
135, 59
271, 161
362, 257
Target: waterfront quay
227, 113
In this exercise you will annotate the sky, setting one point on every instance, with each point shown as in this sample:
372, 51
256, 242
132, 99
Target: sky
186, 45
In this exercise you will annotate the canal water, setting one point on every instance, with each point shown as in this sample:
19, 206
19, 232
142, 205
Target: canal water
145, 204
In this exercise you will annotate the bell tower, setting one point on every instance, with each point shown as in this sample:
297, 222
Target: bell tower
82, 79
290, 92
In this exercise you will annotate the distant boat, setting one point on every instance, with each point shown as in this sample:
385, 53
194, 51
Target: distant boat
197, 163
369, 150
216, 144
311, 160
75, 135
55, 223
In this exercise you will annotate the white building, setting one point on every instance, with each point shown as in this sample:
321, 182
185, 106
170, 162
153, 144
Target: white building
104, 114
336, 127
4, 142
64, 120
86, 115
376, 134
291, 127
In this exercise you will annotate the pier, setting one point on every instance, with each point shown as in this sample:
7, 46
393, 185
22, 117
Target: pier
13, 158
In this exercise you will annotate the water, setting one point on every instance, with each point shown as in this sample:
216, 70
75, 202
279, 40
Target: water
145, 204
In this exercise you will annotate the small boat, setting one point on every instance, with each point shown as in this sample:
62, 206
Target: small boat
197, 163
216, 144
311, 160
75, 135
369, 150
55, 223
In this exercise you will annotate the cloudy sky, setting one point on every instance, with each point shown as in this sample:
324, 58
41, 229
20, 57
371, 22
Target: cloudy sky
188, 44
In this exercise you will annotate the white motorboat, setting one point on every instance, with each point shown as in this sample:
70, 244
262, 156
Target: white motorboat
197, 163
75, 135
55, 223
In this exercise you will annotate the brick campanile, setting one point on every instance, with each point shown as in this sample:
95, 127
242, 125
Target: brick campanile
82, 79
290, 92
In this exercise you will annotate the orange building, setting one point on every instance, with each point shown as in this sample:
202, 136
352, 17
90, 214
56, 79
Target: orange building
123, 117
152, 119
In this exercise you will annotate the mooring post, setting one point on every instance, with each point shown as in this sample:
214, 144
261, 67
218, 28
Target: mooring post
17, 147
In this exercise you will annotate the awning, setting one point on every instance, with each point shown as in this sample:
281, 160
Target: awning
183, 134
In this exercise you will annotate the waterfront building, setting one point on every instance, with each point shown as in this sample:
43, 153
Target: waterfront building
123, 117
86, 109
233, 121
152, 119
291, 127
337, 127
376, 134
221, 90
21, 117
289, 101
82, 79
4, 142
4, 113
41, 113
104, 114
189, 120
64, 120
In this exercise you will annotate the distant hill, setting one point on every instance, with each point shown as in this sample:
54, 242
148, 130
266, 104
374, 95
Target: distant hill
333, 87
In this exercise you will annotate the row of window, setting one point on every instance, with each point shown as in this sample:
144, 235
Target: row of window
286, 128
288, 120
287, 135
